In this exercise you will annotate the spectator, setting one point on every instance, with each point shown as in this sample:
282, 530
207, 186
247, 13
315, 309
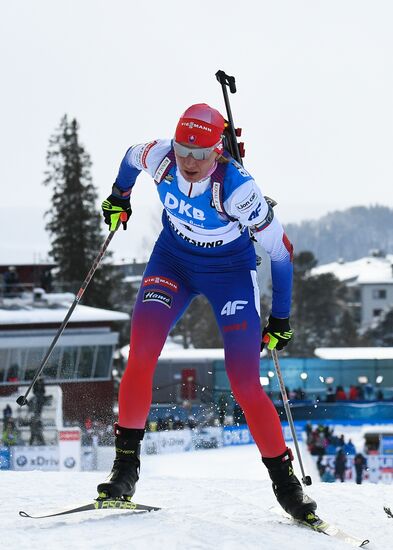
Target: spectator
238, 415
353, 393
13, 371
360, 392
39, 392
299, 394
340, 465
10, 433
380, 395
340, 394
11, 282
46, 280
7, 413
330, 396
369, 391
327, 475
360, 463
222, 408
349, 448
328, 432
191, 422
36, 427
308, 430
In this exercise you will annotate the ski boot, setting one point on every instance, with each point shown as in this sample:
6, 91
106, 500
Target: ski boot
287, 487
125, 471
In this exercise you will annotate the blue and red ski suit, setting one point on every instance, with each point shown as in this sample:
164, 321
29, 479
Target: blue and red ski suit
205, 248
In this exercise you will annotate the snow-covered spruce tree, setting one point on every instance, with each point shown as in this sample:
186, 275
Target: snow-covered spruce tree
74, 222
321, 315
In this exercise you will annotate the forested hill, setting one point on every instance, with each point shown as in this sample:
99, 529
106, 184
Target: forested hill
348, 234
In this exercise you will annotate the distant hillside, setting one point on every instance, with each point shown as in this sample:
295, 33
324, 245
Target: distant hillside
349, 234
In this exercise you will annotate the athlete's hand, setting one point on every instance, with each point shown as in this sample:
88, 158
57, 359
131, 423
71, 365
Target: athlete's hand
276, 334
113, 208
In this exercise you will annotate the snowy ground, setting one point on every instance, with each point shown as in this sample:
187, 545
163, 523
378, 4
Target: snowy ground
214, 499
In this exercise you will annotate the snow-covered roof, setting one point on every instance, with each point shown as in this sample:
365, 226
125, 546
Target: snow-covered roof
354, 353
173, 354
51, 309
368, 270
132, 279
174, 351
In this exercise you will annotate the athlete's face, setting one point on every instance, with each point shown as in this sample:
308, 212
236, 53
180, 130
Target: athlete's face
194, 170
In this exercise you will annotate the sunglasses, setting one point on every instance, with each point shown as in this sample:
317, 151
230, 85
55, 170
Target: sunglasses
200, 153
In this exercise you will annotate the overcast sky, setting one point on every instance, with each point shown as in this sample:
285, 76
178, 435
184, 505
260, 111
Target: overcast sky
315, 93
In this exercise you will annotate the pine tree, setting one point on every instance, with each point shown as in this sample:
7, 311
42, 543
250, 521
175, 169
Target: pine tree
382, 334
320, 316
74, 222
198, 326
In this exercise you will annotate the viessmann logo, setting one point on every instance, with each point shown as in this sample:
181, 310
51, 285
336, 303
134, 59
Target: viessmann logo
196, 125
158, 280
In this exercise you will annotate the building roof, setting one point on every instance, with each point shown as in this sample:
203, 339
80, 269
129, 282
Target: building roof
368, 270
354, 353
52, 309
174, 351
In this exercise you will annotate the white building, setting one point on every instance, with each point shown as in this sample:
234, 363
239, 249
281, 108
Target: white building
371, 278
81, 362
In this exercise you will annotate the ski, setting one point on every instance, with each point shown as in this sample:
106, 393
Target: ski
320, 526
388, 511
99, 504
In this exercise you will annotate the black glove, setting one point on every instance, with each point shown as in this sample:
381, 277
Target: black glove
276, 334
113, 208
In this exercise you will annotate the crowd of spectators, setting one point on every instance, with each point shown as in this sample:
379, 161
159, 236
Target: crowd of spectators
365, 392
11, 434
321, 441
225, 412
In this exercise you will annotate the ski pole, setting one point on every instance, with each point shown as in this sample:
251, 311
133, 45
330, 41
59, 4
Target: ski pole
22, 399
306, 480
226, 80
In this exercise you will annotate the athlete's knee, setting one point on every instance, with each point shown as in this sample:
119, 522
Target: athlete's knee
143, 353
247, 389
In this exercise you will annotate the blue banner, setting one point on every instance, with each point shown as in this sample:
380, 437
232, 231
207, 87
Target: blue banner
5, 458
386, 447
237, 435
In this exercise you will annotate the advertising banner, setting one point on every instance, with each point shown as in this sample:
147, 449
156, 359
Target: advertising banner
70, 449
209, 437
5, 458
386, 446
237, 435
167, 442
43, 457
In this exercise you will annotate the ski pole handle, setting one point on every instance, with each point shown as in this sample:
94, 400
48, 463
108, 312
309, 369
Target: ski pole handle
226, 80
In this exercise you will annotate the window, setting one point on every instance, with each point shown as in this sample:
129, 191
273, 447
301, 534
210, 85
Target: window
86, 362
17, 362
377, 312
33, 361
3, 363
68, 362
379, 294
52, 364
104, 361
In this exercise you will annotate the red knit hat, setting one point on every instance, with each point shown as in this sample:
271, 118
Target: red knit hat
200, 125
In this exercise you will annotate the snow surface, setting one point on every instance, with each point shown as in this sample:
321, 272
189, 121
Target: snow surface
213, 499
